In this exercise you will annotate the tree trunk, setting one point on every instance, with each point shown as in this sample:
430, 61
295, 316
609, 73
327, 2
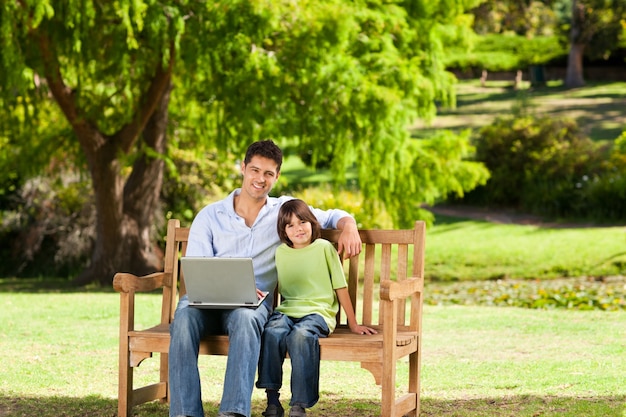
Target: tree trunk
574, 74
125, 215
143, 190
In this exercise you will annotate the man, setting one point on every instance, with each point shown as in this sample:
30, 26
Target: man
241, 225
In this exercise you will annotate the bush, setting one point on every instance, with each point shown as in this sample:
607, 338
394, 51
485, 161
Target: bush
607, 294
539, 164
604, 195
48, 229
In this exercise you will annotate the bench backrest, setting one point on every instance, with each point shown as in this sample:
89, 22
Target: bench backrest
387, 255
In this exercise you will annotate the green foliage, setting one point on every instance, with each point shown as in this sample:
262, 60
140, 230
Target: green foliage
34, 139
497, 52
597, 24
339, 79
525, 18
193, 179
351, 201
108, 51
540, 164
604, 194
337, 82
430, 170
571, 294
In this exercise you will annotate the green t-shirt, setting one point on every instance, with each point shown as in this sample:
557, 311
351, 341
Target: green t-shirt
307, 279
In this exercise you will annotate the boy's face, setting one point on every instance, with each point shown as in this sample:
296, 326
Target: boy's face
299, 232
259, 176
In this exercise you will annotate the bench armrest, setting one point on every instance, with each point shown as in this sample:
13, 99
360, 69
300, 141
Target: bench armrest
393, 290
126, 283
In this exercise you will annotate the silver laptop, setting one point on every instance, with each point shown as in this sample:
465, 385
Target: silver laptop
220, 282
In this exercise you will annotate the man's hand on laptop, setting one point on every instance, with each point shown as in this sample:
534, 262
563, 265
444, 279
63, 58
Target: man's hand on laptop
260, 294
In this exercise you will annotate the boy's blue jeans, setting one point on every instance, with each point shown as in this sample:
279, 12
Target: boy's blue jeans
299, 338
243, 326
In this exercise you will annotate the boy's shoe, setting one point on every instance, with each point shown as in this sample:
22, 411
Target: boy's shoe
273, 410
230, 415
297, 411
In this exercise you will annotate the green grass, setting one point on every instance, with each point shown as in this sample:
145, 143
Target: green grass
59, 356
597, 107
460, 249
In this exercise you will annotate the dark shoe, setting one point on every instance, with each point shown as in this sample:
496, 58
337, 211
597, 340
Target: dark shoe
297, 411
273, 410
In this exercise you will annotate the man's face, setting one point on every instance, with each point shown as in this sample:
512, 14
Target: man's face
259, 176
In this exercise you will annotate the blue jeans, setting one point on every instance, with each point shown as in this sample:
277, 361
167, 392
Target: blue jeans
299, 338
243, 327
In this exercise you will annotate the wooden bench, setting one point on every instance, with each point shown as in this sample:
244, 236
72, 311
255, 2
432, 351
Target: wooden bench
388, 272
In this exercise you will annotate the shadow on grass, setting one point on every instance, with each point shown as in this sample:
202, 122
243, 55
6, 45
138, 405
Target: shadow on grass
49, 285
516, 405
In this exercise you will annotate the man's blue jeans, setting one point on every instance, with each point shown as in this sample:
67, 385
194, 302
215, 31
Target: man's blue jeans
299, 338
243, 326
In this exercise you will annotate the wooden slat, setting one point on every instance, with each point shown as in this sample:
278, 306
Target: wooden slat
401, 275
149, 393
405, 404
368, 284
385, 273
353, 281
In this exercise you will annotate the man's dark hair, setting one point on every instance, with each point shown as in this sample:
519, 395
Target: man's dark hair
266, 149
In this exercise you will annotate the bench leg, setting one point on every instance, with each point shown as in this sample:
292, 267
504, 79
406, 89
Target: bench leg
164, 376
414, 380
125, 384
125, 387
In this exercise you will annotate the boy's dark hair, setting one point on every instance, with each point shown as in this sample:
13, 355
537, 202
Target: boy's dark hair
266, 149
303, 212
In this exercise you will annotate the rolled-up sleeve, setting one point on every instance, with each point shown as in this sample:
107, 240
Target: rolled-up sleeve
329, 218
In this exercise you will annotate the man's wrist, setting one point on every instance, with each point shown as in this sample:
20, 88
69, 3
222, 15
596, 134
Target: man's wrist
347, 223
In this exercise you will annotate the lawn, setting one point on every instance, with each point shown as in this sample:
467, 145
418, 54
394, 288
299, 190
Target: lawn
598, 107
463, 249
59, 356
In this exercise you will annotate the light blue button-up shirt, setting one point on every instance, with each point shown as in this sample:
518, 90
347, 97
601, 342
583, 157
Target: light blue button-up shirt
218, 230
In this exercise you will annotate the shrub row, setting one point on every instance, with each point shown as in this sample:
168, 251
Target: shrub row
572, 293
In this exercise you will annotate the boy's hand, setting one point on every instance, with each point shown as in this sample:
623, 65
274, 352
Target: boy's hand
358, 329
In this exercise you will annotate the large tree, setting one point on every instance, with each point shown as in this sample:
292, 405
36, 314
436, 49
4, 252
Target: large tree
341, 79
114, 94
595, 29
